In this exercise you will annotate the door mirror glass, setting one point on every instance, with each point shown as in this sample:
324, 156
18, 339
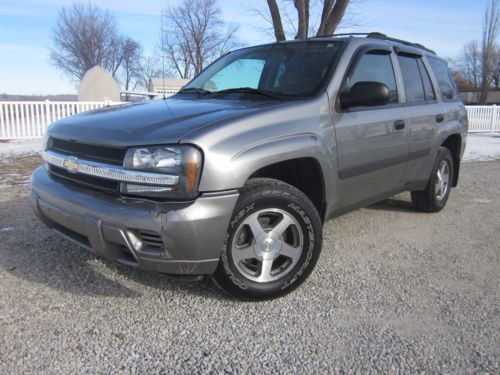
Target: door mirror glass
368, 94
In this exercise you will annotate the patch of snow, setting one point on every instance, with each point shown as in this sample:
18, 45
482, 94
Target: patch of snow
8, 229
482, 147
20, 147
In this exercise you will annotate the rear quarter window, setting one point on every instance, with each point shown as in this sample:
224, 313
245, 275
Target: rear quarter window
446, 83
429, 90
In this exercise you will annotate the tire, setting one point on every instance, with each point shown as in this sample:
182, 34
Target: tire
434, 197
272, 243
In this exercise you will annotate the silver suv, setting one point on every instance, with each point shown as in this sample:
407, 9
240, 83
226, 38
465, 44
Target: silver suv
235, 175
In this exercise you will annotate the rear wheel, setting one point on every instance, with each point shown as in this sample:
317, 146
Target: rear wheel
272, 243
434, 197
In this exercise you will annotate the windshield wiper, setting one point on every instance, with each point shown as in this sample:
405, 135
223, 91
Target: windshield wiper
196, 90
248, 90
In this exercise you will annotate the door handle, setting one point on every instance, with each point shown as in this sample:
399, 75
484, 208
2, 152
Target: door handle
439, 118
399, 124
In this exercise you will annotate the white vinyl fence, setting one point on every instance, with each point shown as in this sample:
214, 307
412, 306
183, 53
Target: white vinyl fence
20, 120
483, 118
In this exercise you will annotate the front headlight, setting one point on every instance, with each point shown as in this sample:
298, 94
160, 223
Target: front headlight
183, 162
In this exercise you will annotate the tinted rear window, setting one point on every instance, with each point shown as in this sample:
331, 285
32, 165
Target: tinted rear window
411, 77
428, 89
445, 81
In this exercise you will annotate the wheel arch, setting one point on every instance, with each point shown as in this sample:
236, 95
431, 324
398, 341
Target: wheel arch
304, 173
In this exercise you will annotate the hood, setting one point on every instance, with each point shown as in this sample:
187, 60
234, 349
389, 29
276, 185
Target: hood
150, 122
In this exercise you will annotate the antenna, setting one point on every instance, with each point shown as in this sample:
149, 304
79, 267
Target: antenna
162, 55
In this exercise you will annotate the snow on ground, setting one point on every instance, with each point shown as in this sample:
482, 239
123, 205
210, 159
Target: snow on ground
20, 147
480, 147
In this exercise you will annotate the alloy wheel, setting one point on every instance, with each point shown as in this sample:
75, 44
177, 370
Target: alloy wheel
267, 245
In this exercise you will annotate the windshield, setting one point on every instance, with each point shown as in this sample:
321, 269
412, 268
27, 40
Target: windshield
288, 69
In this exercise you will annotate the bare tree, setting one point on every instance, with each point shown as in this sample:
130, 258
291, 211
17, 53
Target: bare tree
469, 64
130, 70
192, 37
333, 12
150, 67
86, 36
459, 73
307, 18
496, 73
276, 20
491, 24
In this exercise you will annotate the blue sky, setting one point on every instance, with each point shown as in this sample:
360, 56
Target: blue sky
26, 26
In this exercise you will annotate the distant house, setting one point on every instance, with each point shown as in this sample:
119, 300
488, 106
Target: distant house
166, 86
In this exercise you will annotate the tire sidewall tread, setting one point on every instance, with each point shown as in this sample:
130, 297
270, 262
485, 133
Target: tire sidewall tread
426, 200
257, 194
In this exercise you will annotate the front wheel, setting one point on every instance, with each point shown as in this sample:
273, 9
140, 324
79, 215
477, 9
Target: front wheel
273, 241
437, 191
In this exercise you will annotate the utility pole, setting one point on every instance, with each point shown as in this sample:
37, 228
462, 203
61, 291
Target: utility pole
162, 55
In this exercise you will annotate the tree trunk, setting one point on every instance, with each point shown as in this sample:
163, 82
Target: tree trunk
490, 29
302, 7
276, 17
327, 8
330, 19
485, 88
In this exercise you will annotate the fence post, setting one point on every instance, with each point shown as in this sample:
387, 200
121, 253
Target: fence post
493, 117
47, 114
2, 125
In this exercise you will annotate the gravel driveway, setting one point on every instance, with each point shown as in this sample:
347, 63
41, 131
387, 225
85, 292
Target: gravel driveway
395, 291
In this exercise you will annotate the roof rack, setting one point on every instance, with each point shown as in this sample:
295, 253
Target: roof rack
377, 35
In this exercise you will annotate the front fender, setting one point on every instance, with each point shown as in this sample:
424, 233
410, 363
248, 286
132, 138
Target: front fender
231, 173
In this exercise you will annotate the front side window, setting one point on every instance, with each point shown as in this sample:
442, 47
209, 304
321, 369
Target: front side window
374, 67
445, 81
287, 69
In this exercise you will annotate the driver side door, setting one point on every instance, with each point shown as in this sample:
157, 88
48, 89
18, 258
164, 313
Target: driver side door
372, 142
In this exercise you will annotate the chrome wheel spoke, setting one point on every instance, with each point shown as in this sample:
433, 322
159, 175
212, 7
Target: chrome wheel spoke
253, 222
265, 270
259, 241
243, 254
443, 180
283, 225
290, 251
438, 188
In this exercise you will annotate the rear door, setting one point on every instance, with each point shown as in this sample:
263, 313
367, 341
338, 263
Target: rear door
372, 143
423, 113
455, 114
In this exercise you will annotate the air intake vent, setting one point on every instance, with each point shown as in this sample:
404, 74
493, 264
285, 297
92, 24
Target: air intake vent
151, 239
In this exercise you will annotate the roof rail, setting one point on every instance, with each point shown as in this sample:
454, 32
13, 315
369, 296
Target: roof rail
377, 35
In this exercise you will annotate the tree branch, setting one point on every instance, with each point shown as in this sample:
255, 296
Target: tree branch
276, 18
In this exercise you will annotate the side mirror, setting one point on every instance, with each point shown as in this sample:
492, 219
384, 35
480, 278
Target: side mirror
366, 94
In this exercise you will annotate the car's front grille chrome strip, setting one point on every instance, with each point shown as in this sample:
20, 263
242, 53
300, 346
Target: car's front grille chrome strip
110, 172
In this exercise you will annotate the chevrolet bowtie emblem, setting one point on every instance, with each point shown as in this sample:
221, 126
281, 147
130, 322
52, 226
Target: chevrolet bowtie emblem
71, 165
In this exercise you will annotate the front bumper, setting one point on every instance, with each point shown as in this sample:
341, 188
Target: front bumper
169, 237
